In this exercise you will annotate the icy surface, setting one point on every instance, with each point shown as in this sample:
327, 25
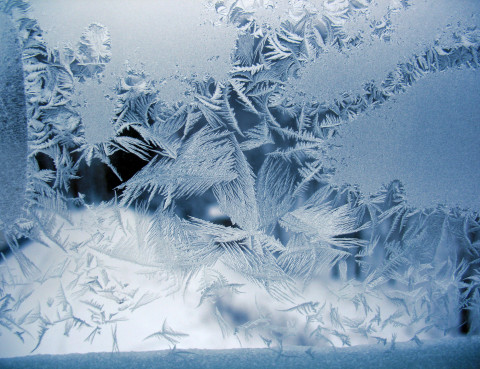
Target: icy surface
458, 353
170, 41
408, 32
243, 174
13, 125
165, 38
426, 137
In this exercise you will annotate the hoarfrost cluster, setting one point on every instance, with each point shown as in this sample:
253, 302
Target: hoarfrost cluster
262, 187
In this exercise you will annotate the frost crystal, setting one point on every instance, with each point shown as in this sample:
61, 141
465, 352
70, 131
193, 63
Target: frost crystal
290, 172
13, 126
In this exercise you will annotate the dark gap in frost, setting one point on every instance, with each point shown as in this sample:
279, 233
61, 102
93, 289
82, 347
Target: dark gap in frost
465, 321
233, 314
44, 161
96, 182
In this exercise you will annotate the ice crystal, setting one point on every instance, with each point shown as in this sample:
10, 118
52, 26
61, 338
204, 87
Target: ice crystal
239, 188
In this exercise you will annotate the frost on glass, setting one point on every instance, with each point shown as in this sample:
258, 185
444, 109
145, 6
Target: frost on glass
429, 157
13, 125
224, 174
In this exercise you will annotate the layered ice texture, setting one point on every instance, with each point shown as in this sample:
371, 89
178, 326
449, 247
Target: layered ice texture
287, 176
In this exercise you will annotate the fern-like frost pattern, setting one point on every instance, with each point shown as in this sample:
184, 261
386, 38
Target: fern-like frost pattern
228, 198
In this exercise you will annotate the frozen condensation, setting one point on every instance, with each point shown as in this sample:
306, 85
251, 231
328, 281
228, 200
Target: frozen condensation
163, 38
224, 174
401, 34
13, 126
426, 137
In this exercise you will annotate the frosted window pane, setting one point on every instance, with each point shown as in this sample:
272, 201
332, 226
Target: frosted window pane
184, 175
428, 137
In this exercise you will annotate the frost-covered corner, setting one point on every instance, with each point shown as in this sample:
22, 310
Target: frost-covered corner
227, 201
